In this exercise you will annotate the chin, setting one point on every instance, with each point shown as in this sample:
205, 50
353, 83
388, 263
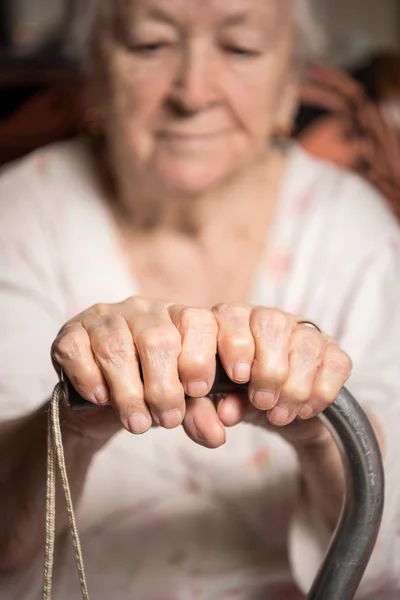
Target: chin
196, 178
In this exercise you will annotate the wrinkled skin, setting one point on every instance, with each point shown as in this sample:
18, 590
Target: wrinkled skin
292, 369
191, 92
190, 95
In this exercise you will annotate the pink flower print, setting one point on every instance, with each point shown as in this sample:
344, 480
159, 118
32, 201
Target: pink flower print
42, 165
288, 592
193, 485
395, 245
61, 210
14, 250
387, 583
237, 591
259, 459
22, 253
177, 558
281, 261
303, 200
197, 591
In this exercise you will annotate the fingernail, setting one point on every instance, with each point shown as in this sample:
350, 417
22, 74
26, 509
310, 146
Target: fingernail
264, 400
279, 416
197, 389
101, 394
306, 411
171, 419
242, 372
138, 423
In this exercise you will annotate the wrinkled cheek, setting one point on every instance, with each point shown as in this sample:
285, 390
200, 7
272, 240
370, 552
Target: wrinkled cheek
129, 91
133, 114
254, 109
262, 126
124, 101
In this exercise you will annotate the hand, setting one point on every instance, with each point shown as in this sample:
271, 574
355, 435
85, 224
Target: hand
331, 89
292, 370
296, 371
143, 356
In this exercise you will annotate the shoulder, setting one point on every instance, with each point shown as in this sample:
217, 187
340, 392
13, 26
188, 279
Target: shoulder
49, 160
41, 182
49, 201
345, 204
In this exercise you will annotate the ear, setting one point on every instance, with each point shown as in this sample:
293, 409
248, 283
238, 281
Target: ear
286, 111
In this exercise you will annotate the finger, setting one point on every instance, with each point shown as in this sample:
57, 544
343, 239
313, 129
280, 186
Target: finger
314, 95
385, 139
158, 343
306, 351
72, 351
201, 423
336, 81
232, 409
196, 362
236, 346
331, 376
272, 330
115, 353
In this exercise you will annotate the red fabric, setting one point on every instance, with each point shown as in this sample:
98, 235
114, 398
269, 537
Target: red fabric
354, 134
48, 116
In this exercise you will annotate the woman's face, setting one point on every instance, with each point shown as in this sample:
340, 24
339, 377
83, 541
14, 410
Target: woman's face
193, 89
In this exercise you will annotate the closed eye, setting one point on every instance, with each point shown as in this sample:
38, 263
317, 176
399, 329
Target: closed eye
150, 48
241, 51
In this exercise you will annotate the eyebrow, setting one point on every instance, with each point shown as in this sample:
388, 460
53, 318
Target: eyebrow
246, 17
239, 18
157, 14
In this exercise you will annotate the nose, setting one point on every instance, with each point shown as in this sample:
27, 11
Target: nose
194, 87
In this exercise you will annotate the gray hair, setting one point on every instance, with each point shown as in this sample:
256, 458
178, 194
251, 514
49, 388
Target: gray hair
310, 39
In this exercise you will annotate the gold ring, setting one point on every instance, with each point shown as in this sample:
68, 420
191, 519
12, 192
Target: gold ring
310, 324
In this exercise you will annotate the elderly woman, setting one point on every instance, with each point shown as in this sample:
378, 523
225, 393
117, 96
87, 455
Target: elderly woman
185, 229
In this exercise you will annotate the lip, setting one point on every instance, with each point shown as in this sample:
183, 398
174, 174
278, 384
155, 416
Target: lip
190, 136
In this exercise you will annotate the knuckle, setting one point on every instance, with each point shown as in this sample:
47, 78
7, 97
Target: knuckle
298, 393
308, 346
164, 395
159, 337
240, 323
136, 303
347, 363
274, 373
325, 392
279, 374
240, 344
338, 364
238, 319
227, 310
114, 347
100, 309
269, 324
68, 346
129, 401
198, 319
222, 309
197, 362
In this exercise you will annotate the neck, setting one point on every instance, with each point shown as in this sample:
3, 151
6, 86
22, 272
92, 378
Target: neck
219, 211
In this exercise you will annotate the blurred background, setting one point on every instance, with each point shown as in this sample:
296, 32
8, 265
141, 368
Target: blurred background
355, 27
39, 100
